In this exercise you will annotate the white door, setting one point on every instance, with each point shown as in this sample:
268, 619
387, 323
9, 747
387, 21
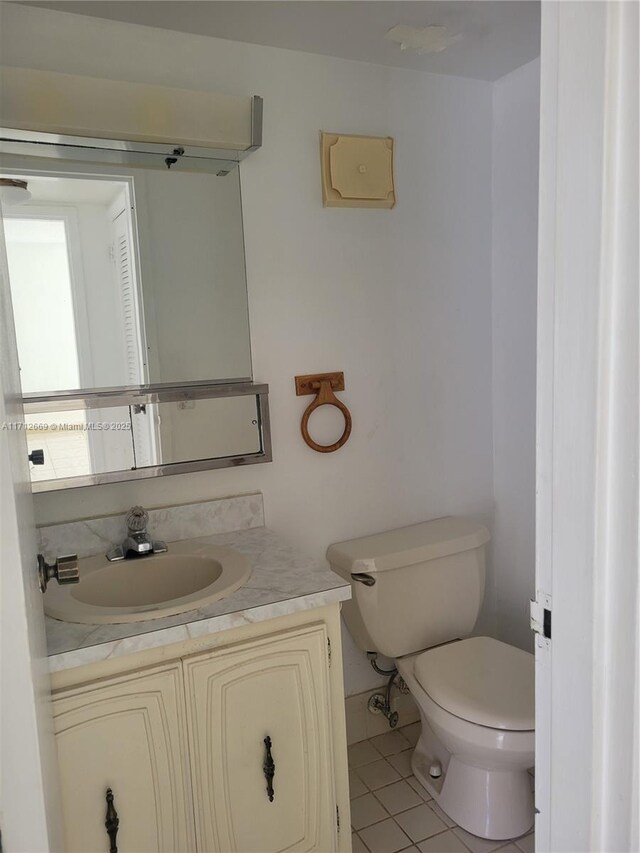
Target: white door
587, 715
29, 813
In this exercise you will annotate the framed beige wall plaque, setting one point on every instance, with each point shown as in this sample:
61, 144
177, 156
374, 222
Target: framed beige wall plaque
357, 171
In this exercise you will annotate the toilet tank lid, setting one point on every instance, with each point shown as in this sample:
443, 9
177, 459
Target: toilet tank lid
407, 546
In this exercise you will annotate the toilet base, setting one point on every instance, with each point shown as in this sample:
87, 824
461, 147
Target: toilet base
496, 804
485, 785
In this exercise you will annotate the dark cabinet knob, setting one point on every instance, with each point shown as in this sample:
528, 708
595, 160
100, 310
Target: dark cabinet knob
36, 457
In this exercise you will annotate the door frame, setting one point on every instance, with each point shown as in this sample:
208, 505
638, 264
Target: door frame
587, 430
29, 789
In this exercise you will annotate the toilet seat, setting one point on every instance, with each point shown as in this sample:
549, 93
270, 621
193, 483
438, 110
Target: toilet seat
482, 681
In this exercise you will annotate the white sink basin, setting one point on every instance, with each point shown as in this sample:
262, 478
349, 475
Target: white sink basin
187, 577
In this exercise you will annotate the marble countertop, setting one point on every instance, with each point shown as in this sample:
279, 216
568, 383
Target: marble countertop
283, 581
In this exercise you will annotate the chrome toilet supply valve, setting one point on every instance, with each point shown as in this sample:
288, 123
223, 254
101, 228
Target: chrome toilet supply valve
380, 703
64, 570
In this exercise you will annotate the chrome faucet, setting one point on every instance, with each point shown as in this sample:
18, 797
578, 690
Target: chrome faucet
138, 542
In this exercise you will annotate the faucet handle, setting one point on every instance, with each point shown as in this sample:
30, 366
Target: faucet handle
137, 519
64, 570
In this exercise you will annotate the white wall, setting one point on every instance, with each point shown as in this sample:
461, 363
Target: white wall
516, 99
400, 300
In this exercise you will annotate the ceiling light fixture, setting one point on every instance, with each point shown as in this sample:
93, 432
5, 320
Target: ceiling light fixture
422, 40
13, 191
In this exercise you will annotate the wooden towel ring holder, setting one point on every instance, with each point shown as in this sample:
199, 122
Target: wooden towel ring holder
323, 385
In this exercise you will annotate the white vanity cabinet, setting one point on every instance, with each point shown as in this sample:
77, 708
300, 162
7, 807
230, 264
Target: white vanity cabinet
275, 688
182, 743
127, 734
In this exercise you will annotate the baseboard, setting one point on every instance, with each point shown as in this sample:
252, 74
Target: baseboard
362, 724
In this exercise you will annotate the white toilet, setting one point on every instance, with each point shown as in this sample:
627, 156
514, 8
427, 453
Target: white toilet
417, 592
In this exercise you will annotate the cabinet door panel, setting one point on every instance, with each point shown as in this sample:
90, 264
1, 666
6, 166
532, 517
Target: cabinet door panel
276, 687
127, 734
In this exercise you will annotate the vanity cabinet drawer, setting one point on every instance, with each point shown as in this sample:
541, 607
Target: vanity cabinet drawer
277, 688
127, 734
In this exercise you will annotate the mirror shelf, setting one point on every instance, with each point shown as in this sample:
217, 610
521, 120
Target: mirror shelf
154, 431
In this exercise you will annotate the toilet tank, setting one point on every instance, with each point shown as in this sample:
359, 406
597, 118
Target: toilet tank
414, 587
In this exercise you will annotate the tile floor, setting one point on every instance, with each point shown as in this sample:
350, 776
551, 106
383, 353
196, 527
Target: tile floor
391, 811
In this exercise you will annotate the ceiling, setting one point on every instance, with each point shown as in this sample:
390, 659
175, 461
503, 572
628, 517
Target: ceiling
497, 36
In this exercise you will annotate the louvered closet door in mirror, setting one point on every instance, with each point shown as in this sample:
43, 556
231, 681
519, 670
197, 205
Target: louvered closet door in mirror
274, 688
125, 273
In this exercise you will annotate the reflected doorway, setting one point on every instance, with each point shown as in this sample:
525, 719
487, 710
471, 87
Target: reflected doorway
76, 295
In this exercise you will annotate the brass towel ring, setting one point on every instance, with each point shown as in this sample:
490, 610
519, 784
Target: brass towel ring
323, 386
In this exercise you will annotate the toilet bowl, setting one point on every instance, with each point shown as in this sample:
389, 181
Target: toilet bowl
416, 595
476, 704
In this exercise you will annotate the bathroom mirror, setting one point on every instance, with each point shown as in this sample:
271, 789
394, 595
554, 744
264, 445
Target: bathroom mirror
125, 275
109, 436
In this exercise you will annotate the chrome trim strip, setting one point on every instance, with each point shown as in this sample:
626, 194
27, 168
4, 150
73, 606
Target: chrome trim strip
96, 398
37, 137
148, 473
257, 106
222, 164
264, 423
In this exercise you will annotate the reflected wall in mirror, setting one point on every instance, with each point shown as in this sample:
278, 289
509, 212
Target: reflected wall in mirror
126, 276
201, 429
